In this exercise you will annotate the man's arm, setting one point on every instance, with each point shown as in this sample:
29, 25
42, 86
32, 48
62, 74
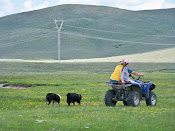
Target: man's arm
137, 74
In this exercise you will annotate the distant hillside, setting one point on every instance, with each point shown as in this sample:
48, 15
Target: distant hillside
88, 32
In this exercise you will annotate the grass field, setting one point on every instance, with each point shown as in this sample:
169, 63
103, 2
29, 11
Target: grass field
25, 109
159, 56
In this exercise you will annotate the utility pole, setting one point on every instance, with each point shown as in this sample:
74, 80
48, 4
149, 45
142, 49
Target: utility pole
59, 29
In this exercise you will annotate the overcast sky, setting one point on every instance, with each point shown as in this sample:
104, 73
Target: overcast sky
8, 7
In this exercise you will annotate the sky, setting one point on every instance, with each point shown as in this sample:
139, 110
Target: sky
8, 7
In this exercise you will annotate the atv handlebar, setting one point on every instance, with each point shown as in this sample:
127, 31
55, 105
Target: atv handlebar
134, 77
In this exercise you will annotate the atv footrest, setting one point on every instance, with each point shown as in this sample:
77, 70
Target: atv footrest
114, 99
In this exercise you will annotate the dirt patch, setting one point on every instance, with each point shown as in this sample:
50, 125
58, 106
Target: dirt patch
6, 85
3, 83
45, 85
20, 85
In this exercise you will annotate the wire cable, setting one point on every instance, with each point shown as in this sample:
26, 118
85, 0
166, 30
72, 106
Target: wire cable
23, 41
115, 32
114, 40
28, 33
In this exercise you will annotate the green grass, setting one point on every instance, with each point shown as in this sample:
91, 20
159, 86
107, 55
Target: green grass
20, 109
78, 68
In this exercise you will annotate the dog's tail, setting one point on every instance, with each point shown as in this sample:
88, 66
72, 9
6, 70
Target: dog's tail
80, 96
59, 96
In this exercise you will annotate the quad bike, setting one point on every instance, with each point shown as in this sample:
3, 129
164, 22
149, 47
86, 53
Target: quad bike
131, 94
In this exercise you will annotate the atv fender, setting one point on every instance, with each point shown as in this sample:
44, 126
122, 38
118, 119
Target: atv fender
147, 88
136, 88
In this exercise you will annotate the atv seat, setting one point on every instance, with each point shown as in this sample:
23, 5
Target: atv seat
116, 83
119, 82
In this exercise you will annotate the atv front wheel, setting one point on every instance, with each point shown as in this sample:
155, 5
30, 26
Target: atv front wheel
134, 99
110, 94
152, 100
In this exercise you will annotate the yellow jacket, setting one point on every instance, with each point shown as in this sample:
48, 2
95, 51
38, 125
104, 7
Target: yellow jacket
116, 73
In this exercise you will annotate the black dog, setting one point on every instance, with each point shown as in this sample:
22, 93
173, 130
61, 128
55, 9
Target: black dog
73, 97
53, 97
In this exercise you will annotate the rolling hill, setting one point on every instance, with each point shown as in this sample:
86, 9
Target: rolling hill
88, 32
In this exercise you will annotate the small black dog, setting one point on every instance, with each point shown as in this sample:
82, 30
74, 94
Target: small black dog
73, 97
53, 97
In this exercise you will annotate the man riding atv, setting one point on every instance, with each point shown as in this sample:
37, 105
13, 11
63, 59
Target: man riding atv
130, 91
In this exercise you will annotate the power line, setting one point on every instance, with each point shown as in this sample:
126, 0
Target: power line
115, 32
23, 41
79, 35
114, 40
28, 33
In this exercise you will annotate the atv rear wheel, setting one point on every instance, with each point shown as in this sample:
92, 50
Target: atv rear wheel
134, 99
152, 100
110, 94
